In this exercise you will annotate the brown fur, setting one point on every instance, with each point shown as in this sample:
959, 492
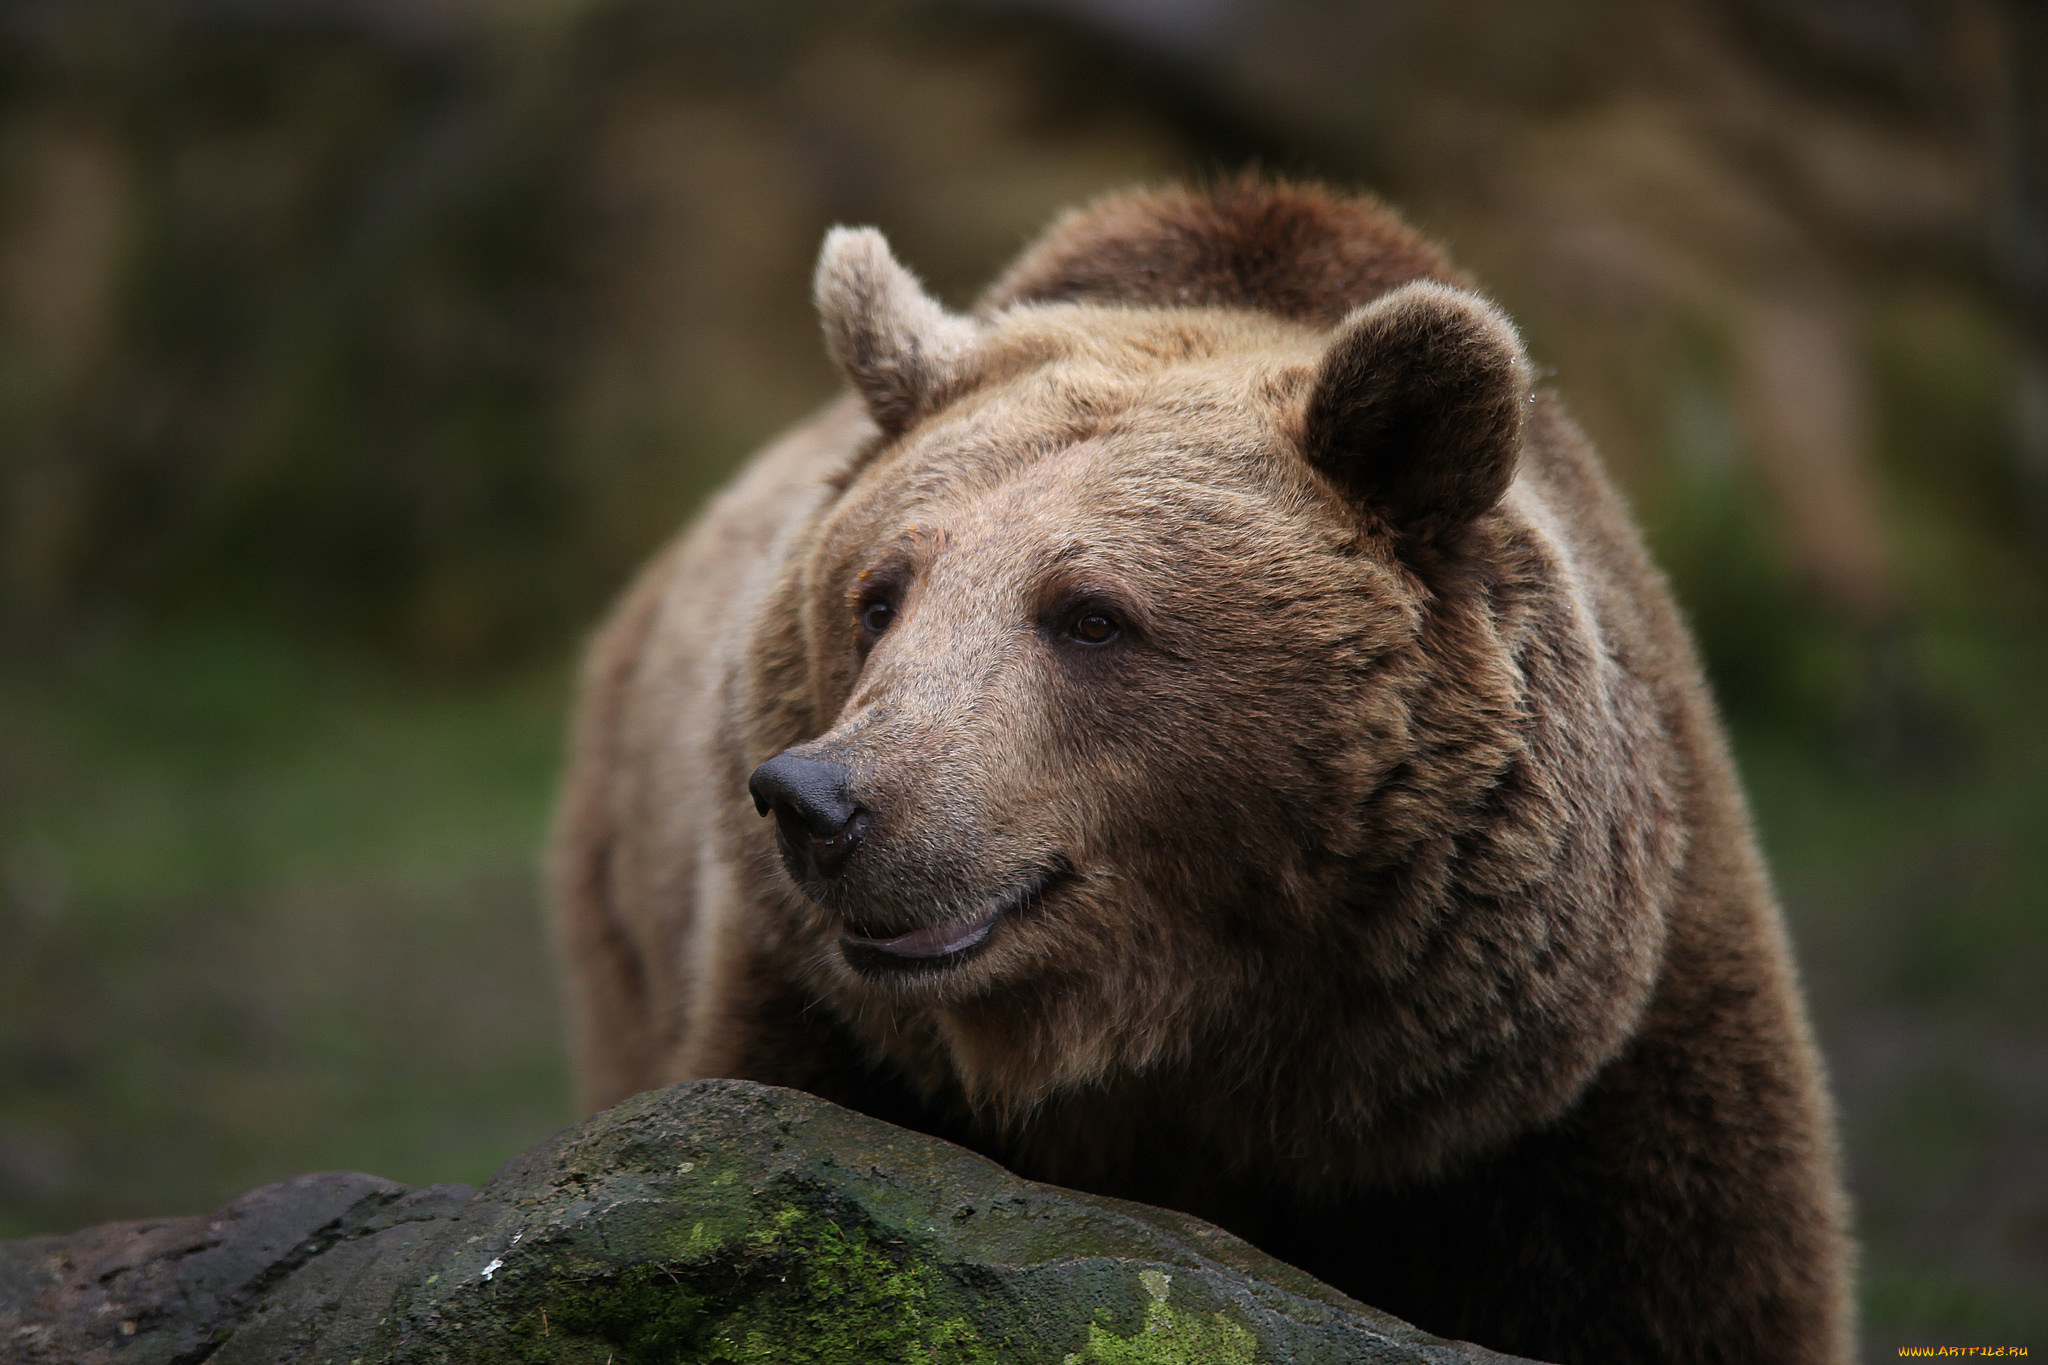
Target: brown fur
1390, 898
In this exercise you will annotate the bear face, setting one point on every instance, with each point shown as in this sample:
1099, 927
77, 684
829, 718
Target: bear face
1163, 669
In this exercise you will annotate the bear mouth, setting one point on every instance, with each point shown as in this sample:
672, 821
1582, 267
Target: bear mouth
948, 942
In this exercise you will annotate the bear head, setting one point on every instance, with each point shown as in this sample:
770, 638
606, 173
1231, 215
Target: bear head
1161, 668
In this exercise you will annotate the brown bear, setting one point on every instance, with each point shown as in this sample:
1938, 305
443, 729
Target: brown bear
1224, 746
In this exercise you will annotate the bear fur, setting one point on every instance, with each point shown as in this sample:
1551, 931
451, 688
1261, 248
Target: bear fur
1276, 785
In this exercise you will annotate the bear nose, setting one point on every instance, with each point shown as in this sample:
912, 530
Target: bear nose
812, 805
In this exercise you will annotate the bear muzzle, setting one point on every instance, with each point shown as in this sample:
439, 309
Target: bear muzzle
820, 823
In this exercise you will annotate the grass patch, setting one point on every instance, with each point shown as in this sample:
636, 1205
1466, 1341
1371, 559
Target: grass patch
268, 912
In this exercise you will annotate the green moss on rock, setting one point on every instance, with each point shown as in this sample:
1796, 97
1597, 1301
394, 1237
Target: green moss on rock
798, 1289
1170, 1337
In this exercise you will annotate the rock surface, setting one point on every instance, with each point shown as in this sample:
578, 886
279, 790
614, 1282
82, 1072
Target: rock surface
715, 1221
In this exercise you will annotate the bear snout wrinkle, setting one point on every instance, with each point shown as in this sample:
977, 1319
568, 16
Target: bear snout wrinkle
812, 805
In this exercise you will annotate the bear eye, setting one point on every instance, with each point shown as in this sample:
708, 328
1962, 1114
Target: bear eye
1094, 628
877, 615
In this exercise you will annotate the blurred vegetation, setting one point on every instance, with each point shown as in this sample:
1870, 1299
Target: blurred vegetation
352, 353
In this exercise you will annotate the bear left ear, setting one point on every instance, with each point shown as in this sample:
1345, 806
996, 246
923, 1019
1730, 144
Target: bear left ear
898, 344
1418, 405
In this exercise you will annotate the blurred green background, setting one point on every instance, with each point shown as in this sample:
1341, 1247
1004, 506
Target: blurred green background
352, 352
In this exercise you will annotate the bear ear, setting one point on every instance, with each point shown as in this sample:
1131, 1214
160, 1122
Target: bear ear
1417, 408
897, 344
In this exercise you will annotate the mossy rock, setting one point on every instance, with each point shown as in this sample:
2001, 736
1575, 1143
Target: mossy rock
717, 1222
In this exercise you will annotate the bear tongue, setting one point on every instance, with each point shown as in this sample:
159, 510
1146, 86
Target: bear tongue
936, 941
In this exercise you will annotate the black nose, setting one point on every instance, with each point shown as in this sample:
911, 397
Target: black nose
812, 804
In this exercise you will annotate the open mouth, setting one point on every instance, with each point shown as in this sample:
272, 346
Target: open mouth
950, 940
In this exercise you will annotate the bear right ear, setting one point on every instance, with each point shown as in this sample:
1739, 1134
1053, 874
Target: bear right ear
897, 344
1417, 408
